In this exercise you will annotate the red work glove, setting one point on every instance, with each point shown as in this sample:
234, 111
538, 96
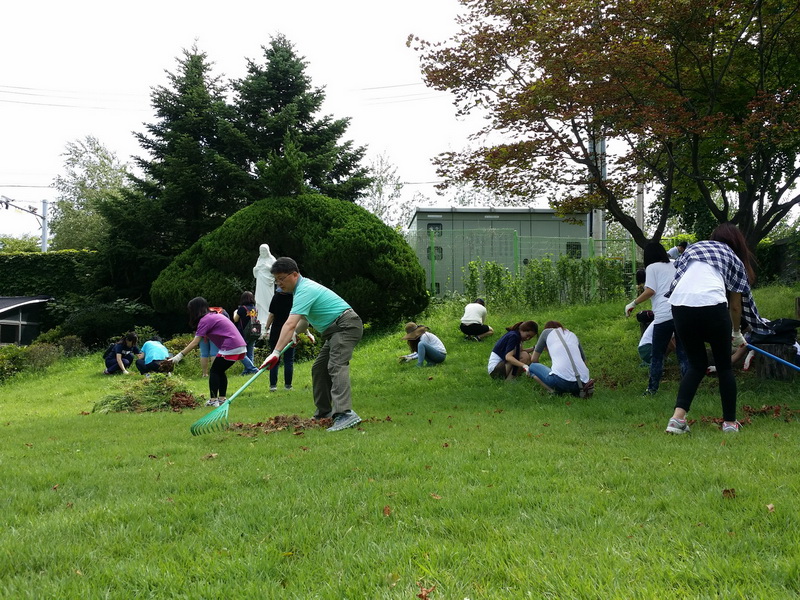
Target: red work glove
271, 361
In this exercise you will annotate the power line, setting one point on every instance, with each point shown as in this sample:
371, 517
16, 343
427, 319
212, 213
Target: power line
35, 89
71, 105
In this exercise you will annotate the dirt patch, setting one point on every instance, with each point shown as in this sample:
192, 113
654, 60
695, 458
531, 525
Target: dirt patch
294, 423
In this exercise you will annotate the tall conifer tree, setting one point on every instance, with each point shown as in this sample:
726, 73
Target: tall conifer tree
289, 148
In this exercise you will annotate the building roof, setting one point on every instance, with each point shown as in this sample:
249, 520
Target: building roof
10, 303
484, 209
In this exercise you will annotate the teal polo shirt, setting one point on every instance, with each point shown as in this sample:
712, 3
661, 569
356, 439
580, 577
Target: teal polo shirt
317, 303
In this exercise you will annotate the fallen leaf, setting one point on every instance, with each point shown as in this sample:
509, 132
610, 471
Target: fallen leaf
729, 493
298, 432
69, 505
771, 507
77, 572
392, 579
436, 496
210, 456
29, 445
424, 593
428, 467
445, 445
545, 424
84, 413
387, 510
388, 418
151, 456
55, 487
304, 448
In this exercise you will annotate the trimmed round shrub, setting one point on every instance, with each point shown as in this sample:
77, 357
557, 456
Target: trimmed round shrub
338, 244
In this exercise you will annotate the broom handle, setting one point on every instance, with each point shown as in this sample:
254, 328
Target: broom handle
780, 360
255, 375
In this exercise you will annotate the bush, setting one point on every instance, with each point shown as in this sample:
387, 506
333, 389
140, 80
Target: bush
144, 332
338, 244
72, 346
12, 361
54, 273
157, 392
37, 357
96, 323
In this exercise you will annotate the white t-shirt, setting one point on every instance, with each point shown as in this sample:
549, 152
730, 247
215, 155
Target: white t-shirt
561, 364
658, 277
700, 285
433, 342
474, 313
647, 336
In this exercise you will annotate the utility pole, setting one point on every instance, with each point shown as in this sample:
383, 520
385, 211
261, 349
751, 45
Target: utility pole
9, 203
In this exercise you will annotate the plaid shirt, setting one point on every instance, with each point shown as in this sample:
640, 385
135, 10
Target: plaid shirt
723, 259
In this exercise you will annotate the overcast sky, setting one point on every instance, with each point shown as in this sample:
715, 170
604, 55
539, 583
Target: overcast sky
72, 69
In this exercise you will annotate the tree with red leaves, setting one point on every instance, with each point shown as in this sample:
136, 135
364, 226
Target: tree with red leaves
697, 100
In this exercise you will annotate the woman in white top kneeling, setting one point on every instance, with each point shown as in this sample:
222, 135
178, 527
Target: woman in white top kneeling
566, 356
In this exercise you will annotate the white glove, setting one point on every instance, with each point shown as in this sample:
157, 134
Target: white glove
629, 308
737, 340
294, 339
177, 358
311, 337
526, 368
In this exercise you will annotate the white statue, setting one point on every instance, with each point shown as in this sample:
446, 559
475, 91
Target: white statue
265, 282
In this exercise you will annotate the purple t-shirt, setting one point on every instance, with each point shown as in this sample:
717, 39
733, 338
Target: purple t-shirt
221, 331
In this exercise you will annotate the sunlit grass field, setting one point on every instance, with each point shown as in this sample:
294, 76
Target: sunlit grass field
455, 486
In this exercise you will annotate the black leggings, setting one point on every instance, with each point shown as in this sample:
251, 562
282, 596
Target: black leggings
695, 325
217, 379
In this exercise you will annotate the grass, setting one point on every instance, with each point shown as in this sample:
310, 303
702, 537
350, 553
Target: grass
483, 489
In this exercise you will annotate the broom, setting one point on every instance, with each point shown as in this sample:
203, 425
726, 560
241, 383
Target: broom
217, 419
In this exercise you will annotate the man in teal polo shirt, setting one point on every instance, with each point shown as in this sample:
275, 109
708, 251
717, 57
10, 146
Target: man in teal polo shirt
341, 330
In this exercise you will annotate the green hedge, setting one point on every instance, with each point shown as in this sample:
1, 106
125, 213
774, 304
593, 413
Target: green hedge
335, 243
48, 273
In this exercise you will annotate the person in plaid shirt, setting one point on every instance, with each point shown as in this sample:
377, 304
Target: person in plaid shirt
709, 297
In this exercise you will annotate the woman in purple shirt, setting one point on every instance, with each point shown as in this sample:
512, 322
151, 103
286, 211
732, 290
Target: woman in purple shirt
226, 337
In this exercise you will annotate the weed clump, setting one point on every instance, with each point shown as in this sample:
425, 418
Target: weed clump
157, 392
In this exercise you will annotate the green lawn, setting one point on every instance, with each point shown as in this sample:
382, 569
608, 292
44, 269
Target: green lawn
480, 488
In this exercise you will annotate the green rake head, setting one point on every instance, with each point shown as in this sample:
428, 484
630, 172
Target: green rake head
216, 420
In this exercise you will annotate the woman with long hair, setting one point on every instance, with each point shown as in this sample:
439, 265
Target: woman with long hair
710, 295
226, 337
659, 274
566, 356
508, 358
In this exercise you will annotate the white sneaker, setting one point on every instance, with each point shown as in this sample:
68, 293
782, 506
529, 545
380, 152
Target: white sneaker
677, 426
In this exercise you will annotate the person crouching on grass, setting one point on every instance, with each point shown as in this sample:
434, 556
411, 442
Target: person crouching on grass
508, 359
122, 355
220, 330
425, 345
341, 330
566, 357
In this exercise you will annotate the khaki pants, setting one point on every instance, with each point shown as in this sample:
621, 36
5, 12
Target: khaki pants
330, 373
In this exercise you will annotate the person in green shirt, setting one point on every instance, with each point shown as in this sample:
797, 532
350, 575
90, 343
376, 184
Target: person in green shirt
341, 330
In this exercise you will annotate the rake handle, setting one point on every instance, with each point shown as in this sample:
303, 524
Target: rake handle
780, 360
256, 374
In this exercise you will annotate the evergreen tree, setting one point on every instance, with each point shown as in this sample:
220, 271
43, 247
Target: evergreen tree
288, 148
195, 173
